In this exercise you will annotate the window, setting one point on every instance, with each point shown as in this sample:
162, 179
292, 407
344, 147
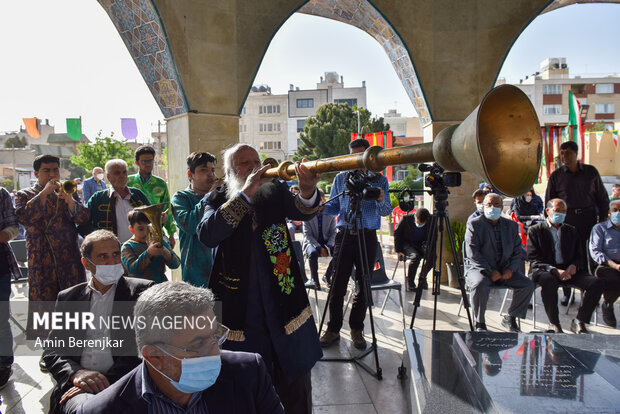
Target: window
271, 145
349, 102
605, 108
604, 88
269, 109
243, 128
300, 125
274, 127
552, 109
305, 103
552, 89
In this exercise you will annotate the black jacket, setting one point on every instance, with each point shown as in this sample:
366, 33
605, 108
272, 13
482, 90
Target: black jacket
77, 297
541, 252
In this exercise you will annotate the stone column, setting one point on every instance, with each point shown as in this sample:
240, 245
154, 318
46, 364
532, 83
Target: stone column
460, 204
197, 132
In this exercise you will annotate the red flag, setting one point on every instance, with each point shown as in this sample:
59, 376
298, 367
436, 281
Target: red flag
31, 127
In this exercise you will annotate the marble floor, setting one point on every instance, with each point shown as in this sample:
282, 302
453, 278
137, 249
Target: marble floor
337, 387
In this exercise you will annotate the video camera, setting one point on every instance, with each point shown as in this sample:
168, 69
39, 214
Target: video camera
358, 184
437, 178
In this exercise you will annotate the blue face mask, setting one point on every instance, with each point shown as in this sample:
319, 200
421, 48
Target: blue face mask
557, 218
492, 213
197, 374
615, 218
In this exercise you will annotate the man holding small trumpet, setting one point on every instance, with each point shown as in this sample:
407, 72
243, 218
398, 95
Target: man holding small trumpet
50, 213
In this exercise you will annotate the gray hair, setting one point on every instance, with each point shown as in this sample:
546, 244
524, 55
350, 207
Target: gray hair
615, 201
229, 155
86, 248
550, 202
168, 299
493, 195
114, 163
97, 168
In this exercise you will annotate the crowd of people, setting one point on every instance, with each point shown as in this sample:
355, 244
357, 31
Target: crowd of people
236, 239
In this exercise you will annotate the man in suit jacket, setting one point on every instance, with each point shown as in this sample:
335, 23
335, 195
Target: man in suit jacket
185, 366
410, 242
81, 372
493, 256
319, 239
93, 184
556, 260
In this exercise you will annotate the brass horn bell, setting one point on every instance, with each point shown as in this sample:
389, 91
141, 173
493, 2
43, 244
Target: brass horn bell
153, 213
500, 141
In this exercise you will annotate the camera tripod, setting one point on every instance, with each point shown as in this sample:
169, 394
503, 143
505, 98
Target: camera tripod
355, 219
439, 220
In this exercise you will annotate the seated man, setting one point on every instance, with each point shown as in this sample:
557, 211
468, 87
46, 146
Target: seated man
556, 260
493, 255
185, 370
605, 250
319, 239
410, 242
90, 370
478, 197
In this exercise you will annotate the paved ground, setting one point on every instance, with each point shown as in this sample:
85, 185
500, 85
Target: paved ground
341, 388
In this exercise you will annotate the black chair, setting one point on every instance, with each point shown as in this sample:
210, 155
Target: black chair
380, 281
21, 256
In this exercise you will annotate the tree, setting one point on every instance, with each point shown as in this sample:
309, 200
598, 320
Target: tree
16, 142
104, 149
328, 133
8, 184
598, 126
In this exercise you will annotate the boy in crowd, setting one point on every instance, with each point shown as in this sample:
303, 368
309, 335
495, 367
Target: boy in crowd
144, 258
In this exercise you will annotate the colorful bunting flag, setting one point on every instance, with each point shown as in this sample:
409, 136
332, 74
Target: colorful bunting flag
74, 128
129, 128
614, 134
31, 127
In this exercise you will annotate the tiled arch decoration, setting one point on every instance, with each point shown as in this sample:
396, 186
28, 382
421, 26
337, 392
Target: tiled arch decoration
364, 16
141, 29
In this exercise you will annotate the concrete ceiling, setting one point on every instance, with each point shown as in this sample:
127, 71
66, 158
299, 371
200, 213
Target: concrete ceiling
202, 55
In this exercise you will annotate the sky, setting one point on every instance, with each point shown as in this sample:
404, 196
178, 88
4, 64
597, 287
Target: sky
64, 58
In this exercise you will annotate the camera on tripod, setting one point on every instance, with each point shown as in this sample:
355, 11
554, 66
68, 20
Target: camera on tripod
358, 184
437, 178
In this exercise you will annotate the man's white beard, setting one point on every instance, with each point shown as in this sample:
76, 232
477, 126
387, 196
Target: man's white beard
234, 184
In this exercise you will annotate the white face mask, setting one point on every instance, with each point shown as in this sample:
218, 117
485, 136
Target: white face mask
528, 199
480, 207
108, 274
100, 176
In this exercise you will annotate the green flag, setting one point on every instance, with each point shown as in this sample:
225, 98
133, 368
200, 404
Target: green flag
74, 128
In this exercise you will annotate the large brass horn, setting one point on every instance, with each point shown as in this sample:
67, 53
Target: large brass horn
68, 187
153, 213
500, 141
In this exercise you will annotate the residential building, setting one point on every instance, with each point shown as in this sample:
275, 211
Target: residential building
263, 122
548, 90
272, 123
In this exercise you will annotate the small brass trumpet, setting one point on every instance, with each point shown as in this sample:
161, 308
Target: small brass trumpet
67, 187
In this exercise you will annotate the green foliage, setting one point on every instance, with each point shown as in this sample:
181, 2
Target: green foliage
410, 180
8, 184
326, 186
104, 149
458, 229
328, 133
74, 170
163, 160
16, 142
395, 185
598, 126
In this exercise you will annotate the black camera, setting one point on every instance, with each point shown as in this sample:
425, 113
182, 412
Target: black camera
358, 184
437, 178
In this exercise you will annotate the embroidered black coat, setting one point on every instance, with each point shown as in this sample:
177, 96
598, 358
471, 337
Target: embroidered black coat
257, 278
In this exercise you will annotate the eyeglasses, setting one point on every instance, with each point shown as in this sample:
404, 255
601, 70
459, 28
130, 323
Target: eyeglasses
207, 345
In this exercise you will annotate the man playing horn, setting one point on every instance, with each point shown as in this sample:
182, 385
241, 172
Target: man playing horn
255, 272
